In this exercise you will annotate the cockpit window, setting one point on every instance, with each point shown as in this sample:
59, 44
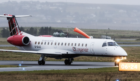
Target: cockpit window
104, 44
116, 44
112, 44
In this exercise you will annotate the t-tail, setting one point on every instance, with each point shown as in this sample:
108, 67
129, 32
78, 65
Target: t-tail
13, 24
17, 37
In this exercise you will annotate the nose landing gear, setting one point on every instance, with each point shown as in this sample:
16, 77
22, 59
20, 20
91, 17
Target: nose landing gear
117, 61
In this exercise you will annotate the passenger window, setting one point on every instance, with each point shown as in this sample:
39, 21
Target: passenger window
65, 44
82, 45
41, 43
52, 43
75, 44
79, 44
61, 44
104, 44
35, 42
38, 42
55, 43
45, 43
72, 44
69, 44
48, 43
58, 44
86, 45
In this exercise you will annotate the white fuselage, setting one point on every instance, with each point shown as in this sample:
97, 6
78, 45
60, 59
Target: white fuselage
81, 46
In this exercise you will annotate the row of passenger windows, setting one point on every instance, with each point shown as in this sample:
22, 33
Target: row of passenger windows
65, 44
109, 44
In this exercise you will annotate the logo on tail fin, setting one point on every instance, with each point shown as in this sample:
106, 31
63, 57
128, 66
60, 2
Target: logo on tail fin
13, 25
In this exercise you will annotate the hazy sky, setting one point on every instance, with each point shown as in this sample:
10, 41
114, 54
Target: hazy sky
127, 2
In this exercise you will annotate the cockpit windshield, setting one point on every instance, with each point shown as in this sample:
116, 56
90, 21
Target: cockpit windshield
112, 44
109, 44
104, 44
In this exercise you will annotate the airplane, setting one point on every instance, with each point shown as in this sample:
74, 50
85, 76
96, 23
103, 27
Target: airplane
60, 47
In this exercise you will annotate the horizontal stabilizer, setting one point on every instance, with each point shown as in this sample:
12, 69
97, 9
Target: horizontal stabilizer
17, 16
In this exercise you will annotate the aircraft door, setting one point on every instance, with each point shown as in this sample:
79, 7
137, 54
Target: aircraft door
92, 48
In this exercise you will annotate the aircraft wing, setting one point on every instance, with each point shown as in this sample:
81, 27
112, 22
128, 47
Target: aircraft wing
18, 51
44, 51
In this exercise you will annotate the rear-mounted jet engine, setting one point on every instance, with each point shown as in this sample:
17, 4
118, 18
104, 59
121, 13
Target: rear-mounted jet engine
19, 40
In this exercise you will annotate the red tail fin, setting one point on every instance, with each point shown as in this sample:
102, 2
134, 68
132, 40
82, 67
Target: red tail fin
13, 25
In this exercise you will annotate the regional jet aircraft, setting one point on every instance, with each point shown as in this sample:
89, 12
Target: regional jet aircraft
57, 47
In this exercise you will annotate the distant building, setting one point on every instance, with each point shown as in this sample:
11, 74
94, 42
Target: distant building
59, 34
105, 37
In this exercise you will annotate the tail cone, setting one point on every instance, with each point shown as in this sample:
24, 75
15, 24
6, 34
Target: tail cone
81, 32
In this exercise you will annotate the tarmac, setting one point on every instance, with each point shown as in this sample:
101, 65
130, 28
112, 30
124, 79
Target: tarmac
52, 65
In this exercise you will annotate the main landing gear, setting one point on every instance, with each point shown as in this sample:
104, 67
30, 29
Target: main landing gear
68, 61
41, 61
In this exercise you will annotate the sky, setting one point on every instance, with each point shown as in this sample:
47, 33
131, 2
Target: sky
126, 2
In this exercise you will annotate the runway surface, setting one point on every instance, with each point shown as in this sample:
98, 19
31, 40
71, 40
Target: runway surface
52, 65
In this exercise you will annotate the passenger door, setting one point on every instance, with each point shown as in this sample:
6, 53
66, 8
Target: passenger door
104, 46
92, 48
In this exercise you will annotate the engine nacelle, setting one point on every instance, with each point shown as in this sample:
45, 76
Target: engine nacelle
19, 40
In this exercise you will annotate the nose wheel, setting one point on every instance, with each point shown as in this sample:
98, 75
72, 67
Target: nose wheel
117, 61
68, 61
116, 64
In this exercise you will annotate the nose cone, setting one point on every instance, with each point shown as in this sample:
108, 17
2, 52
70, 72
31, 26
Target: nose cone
117, 51
123, 52
120, 51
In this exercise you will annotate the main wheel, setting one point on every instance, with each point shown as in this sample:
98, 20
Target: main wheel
67, 62
42, 62
39, 63
116, 64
